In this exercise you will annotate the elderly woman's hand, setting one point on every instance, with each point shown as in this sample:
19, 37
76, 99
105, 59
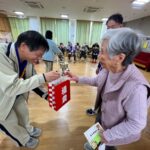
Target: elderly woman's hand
103, 140
71, 76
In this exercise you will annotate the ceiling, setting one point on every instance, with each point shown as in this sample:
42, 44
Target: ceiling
74, 8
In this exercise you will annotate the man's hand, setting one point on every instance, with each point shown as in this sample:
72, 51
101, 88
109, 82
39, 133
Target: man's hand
52, 75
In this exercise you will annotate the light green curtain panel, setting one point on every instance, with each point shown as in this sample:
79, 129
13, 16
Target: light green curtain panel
95, 32
18, 26
48, 24
83, 32
59, 27
62, 31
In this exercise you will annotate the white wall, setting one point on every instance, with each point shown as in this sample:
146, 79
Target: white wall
142, 25
72, 31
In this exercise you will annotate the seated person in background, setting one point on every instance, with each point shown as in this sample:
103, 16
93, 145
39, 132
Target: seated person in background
74, 53
123, 91
62, 48
83, 52
71, 52
77, 48
113, 22
95, 52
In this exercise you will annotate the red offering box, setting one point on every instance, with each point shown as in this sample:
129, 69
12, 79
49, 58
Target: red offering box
58, 95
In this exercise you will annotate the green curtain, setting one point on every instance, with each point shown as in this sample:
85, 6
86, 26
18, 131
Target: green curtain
95, 32
83, 32
62, 31
18, 26
59, 27
48, 24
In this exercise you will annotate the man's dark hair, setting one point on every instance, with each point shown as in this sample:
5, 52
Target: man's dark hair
49, 34
116, 17
33, 40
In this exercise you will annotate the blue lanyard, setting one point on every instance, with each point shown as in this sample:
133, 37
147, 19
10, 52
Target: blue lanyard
22, 65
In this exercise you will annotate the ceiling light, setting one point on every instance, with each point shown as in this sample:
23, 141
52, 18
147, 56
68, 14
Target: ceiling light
137, 5
18, 13
104, 19
140, 2
144, 1
64, 16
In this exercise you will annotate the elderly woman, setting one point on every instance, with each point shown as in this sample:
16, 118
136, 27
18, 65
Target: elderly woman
122, 90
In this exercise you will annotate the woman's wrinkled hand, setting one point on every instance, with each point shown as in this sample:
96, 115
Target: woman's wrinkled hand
71, 76
103, 140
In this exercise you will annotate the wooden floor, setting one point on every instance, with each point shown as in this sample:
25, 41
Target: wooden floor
63, 130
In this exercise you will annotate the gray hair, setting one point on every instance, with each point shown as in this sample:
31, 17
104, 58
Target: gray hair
123, 40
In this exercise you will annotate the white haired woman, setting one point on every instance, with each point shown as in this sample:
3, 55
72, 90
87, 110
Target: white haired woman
122, 89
